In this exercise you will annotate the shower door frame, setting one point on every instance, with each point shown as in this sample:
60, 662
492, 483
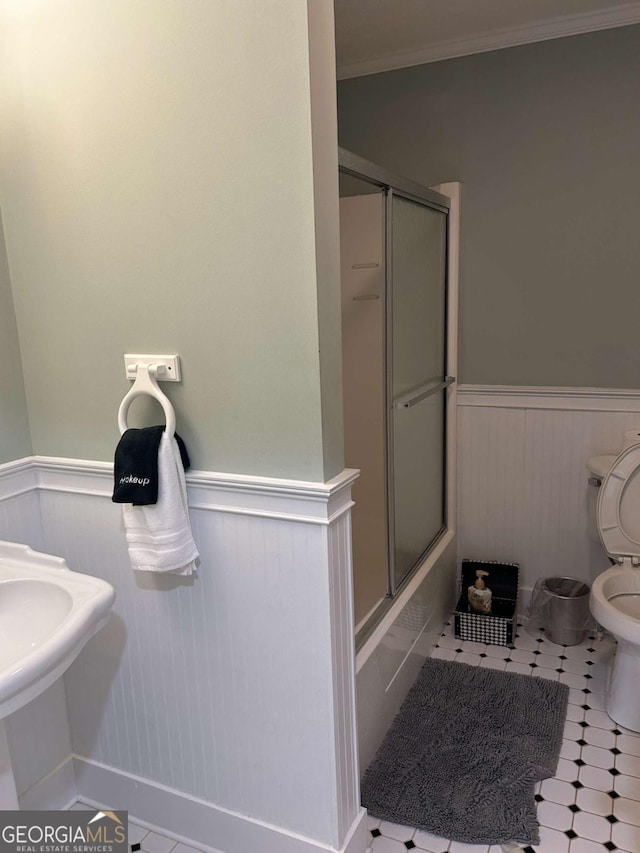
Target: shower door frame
391, 186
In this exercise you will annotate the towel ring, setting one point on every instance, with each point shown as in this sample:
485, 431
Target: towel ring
146, 383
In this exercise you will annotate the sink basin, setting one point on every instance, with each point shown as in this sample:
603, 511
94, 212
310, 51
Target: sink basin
47, 614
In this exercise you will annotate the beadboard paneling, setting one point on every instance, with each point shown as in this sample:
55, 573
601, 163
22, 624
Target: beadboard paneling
343, 658
522, 477
234, 688
491, 492
20, 518
213, 685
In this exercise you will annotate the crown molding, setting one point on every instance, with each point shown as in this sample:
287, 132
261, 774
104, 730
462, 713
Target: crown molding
567, 25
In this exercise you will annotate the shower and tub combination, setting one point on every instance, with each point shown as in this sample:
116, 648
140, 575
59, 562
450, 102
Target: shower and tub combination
399, 319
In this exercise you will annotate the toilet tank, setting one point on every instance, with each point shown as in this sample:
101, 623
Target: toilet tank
598, 468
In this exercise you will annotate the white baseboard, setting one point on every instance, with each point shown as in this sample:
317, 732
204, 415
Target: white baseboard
56, 790
196, 821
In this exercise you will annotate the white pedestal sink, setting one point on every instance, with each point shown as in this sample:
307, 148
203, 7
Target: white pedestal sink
8, 793
47, 614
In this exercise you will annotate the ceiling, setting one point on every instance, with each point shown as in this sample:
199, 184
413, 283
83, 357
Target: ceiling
379, 35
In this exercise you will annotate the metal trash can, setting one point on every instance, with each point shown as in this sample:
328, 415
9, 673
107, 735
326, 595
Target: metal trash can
567, 611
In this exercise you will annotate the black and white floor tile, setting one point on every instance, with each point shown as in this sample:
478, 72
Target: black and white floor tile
593, 803
142, 839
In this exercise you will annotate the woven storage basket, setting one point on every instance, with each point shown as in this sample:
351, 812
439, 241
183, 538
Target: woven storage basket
499, 627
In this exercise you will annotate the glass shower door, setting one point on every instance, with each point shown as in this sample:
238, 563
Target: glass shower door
416, 317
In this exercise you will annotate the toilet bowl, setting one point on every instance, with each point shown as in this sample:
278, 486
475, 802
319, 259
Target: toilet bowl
615, 594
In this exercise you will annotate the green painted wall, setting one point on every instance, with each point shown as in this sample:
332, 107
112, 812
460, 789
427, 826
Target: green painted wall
157, 184
15, 441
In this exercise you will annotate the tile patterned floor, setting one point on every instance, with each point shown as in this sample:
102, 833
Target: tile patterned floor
593, 803
146, 840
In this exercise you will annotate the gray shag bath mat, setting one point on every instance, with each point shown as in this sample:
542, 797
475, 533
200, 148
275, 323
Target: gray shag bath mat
462, 757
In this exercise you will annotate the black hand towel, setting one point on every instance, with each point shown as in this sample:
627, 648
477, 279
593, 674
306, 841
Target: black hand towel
136, 466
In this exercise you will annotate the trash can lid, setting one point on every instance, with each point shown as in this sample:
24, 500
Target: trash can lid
566, 587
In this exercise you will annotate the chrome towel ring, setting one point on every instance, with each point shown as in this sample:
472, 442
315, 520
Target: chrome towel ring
146, 383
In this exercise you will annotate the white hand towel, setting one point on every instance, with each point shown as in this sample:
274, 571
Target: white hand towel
159, 536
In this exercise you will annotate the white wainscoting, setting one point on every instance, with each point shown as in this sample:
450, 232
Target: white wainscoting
20, 519
522, 477
236, 688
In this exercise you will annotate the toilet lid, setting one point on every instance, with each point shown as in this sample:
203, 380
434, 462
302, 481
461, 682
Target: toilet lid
619, 506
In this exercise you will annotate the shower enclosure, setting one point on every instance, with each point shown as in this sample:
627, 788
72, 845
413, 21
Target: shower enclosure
395, 376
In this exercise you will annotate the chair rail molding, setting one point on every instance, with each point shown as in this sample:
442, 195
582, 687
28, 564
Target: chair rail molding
269, 497
550, 397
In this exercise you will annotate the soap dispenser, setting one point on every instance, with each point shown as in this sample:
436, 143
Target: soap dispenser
479, 595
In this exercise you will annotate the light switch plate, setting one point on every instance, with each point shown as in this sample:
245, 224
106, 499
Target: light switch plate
171, 364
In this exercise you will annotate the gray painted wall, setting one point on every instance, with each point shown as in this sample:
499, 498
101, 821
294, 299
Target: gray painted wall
15, 441
157, 184
546, 140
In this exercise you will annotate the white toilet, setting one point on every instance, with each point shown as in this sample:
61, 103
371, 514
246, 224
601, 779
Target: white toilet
615, 594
